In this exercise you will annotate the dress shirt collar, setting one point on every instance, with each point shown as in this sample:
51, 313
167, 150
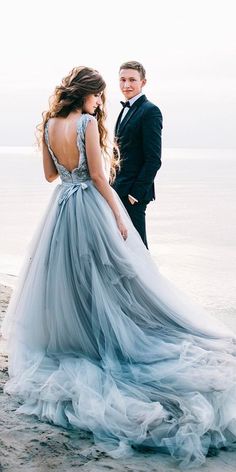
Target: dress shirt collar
133, 99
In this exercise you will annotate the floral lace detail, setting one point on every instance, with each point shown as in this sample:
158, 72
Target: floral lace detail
80, 173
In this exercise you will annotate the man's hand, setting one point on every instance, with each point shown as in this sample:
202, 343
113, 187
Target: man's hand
132, 200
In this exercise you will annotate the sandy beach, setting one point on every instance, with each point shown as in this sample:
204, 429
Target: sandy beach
30, 445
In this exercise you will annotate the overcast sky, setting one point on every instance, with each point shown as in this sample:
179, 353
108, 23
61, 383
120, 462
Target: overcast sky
188, 48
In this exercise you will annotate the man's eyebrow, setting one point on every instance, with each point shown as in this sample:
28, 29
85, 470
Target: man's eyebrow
131, 77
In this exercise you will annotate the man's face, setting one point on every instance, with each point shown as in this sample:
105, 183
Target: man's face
131, 83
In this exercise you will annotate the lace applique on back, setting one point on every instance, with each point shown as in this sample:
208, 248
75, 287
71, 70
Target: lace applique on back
81, 172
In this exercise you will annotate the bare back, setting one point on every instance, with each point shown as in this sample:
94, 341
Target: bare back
63, 140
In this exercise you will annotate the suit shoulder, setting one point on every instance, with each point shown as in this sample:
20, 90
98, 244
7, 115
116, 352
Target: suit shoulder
152, 109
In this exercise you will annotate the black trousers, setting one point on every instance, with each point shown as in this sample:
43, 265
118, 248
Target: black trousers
137, 213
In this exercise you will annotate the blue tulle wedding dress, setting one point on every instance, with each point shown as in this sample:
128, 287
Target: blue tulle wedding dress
99, 340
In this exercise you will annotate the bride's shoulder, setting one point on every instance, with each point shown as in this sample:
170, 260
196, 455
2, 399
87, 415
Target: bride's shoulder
87, 117
55, 119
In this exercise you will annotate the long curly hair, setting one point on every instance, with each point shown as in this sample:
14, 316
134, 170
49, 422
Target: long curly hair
70, 96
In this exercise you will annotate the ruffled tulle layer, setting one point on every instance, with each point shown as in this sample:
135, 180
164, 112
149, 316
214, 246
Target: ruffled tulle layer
100, 340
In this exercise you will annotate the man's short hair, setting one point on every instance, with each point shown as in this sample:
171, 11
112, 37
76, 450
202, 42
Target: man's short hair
136, 66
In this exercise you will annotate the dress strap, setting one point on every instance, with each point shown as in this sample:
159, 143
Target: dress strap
82, 124
46, 135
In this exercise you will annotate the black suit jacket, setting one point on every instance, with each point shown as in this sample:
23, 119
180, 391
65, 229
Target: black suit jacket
139, 140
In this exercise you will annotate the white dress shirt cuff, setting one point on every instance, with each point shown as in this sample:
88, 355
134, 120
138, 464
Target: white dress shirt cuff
135, 199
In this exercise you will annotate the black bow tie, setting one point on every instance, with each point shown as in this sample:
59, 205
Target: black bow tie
125, 104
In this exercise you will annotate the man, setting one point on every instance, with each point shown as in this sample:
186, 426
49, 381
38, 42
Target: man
138, 136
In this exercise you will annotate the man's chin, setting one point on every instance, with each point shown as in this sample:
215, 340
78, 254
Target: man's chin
130, 95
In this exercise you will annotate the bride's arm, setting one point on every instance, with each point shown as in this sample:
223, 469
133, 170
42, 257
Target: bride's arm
93, 152
49, 168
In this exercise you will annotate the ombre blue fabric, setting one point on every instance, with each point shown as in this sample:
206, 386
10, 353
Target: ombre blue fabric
99, 340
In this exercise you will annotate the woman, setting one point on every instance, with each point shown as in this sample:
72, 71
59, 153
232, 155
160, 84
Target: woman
98, 339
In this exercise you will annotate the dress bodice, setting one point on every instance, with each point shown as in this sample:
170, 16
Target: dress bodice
80, 173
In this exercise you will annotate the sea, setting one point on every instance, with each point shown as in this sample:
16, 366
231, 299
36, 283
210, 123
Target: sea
191, 225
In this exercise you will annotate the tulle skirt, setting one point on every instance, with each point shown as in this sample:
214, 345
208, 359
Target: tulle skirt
99, 340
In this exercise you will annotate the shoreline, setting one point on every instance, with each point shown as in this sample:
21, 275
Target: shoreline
28, 444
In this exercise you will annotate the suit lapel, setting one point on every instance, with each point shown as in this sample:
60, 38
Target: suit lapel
117, 122
131, 112
127, 117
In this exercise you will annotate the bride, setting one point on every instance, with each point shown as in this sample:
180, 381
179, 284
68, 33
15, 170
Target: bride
98, 339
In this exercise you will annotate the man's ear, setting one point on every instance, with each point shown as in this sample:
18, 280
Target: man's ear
144, 82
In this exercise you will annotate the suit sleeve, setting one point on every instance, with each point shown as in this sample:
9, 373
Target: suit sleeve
151, 139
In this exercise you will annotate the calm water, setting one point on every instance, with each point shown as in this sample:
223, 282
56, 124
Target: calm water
191, 225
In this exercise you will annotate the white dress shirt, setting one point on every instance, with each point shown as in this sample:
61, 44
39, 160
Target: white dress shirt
131, 102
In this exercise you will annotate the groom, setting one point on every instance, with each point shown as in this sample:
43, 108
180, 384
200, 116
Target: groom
138, 136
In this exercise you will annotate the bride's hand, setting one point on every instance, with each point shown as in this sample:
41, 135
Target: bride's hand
122, 228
